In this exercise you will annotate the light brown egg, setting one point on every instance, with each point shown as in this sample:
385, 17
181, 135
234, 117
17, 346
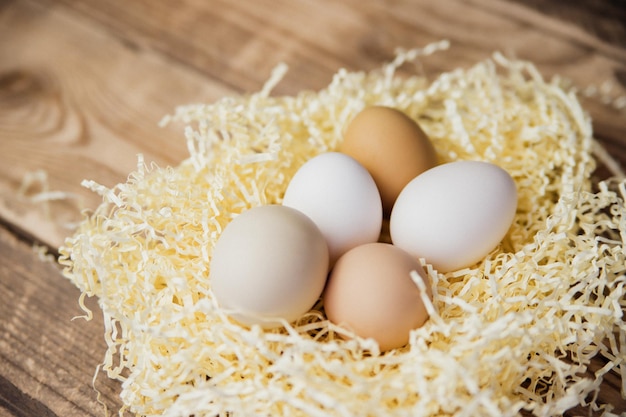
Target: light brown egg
371, 293
391, 146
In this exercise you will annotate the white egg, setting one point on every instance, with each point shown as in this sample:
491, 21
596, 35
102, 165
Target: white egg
341, 197
269, 263
453, 215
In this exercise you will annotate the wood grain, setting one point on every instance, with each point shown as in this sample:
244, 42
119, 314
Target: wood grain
83, 84
80, 105
317, 37
47, 359
602, 19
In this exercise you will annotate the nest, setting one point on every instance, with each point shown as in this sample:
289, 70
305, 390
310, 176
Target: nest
514, 332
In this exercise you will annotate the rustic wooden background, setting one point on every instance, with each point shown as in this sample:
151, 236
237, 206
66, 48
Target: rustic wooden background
83, 84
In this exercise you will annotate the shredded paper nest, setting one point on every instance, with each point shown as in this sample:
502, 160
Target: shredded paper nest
515, 332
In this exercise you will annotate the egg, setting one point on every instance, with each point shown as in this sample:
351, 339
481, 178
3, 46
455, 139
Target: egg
370, 292
391, 146
341, 197
453, 215
269, 263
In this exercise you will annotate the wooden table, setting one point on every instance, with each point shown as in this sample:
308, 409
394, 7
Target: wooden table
83, 84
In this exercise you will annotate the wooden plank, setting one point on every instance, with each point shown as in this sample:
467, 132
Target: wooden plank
47, 360
608, 23
238, 43
77, 104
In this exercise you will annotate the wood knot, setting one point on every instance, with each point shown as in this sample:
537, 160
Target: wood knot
19, 85
33, 103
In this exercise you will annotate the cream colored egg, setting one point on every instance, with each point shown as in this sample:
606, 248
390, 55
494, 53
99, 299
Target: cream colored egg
269, 263
453, 215
370, 292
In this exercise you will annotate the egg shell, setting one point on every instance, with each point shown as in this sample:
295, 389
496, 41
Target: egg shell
453, 215
391, 146
370, 292
269, 262
341, 197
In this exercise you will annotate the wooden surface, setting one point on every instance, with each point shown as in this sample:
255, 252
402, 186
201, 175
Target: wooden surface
83, 84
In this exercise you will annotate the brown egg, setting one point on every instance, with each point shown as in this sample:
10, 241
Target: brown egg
392, 147
370, 292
